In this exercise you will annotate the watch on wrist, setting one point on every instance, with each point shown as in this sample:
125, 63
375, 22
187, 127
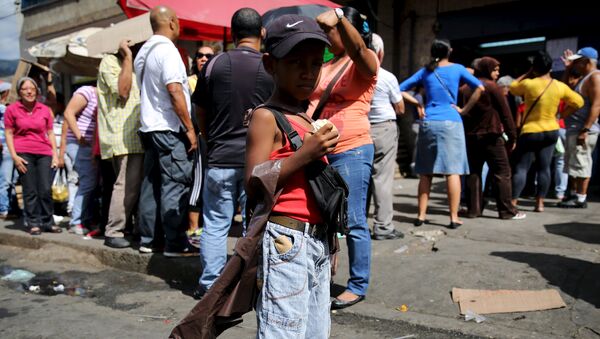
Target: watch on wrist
584, 130
339, 13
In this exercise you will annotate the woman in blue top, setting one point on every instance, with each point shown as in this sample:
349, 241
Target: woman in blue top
441, 142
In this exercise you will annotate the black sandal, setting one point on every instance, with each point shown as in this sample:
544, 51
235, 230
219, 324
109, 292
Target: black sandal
35, 230
455, 224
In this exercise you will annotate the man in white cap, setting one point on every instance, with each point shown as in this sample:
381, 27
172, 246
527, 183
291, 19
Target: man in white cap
582, 126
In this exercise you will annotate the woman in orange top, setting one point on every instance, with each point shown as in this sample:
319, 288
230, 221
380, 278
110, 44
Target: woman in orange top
348, 108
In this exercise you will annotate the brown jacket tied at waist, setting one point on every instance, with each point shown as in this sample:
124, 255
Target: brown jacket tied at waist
234, 293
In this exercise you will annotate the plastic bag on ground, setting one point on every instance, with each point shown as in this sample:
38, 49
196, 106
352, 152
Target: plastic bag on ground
470, 315
20, 276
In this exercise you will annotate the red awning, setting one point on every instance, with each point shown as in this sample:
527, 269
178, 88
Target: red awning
210, 19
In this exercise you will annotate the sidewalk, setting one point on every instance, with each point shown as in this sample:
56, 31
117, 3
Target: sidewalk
557, 249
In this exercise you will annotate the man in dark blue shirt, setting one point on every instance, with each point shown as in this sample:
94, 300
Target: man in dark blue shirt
229, 85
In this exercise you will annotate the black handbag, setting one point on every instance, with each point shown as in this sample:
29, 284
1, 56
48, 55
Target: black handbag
328, 186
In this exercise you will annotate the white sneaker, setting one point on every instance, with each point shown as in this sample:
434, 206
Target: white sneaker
79, 230
519, 216
144, 249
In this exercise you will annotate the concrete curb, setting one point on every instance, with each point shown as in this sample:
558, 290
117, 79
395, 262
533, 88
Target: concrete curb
173, 270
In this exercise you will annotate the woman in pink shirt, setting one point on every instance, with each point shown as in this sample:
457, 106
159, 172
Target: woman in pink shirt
30, 140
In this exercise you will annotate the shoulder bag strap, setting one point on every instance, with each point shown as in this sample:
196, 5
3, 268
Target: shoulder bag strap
445, 86
146, 62
283, 123
533, 105
327, 92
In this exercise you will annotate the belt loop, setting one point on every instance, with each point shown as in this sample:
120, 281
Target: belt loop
306, 228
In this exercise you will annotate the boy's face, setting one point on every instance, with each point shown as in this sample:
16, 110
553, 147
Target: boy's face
298, 72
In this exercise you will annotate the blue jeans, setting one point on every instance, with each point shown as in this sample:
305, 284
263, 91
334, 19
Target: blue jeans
355, 167
561, 179
72, 180
294, 299
84, 165
223, 189
8, 179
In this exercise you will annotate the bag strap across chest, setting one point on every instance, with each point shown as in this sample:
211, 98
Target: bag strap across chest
283, 123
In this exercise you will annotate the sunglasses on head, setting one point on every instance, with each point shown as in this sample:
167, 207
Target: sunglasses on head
202, 55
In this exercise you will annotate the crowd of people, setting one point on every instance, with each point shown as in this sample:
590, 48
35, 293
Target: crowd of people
176, 154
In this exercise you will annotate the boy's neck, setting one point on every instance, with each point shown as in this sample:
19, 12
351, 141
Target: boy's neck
288, 102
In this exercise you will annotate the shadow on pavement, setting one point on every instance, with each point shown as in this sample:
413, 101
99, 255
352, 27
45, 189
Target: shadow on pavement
578, 278
585, 232
16, 224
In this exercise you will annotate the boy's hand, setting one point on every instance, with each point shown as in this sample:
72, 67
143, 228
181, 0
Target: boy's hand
320, 143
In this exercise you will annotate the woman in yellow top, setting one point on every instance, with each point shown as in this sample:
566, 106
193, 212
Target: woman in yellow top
538, 124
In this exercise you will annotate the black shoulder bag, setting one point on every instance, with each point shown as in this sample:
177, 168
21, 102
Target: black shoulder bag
328, 186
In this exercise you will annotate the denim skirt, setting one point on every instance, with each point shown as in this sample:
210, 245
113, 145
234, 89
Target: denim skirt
441, 148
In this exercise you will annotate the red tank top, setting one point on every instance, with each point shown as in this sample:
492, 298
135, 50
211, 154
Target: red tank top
296, 199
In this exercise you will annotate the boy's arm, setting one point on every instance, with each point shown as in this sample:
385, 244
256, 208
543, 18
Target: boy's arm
261, 140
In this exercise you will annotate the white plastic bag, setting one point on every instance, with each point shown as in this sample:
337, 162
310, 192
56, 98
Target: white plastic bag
60, 188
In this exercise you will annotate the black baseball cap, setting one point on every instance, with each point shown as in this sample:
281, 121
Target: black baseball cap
285, 32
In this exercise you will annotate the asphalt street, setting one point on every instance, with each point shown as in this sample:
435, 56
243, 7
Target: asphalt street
111, 303
134, 295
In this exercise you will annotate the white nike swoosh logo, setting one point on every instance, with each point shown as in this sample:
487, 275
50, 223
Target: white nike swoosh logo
294, 24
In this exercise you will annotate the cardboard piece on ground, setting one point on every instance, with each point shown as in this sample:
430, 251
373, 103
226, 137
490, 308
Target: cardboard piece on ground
506, 301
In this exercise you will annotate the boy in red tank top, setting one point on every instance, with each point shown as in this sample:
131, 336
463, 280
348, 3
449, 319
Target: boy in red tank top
294, 268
